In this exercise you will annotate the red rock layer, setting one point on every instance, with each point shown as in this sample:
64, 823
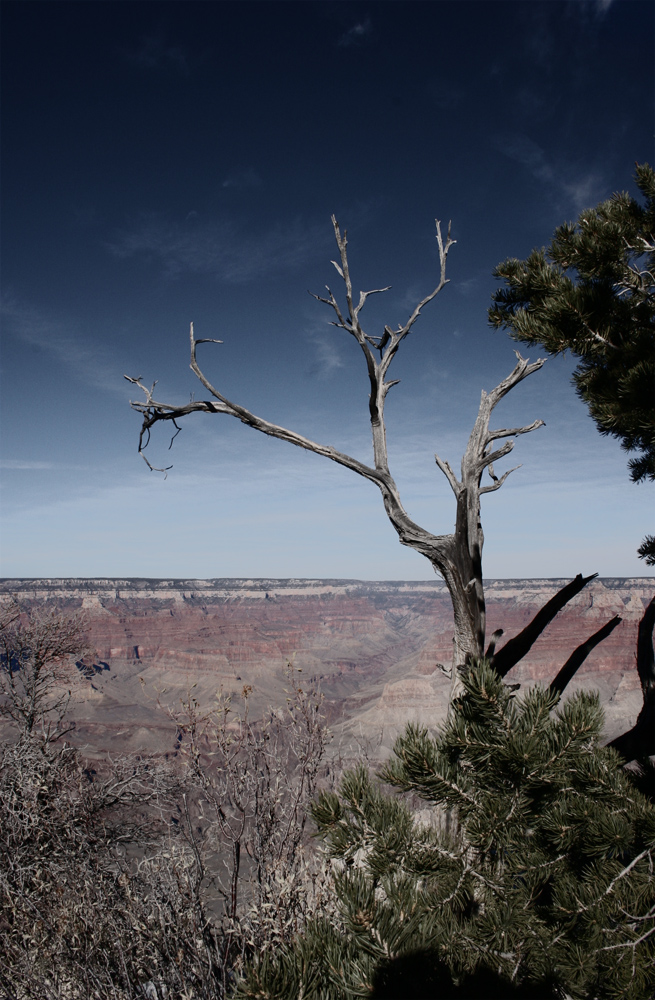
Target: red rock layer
376, 647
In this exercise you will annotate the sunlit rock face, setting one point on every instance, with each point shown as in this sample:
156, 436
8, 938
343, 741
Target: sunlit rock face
378, 649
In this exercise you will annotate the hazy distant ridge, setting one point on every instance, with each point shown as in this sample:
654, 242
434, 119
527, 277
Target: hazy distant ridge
187, 588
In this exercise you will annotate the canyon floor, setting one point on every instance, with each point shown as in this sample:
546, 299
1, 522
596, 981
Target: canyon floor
376, 649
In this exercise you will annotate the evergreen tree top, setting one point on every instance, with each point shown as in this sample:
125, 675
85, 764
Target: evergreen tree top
592, 292
535, 872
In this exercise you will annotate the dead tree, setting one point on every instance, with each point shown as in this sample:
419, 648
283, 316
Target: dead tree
457, 557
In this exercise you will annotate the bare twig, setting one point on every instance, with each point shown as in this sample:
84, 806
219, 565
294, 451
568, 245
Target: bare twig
456, 556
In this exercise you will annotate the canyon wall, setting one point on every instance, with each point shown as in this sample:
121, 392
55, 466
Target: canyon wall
376, 648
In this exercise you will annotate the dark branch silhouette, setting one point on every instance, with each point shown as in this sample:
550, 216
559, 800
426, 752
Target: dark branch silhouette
579, 655
639, 741
515, 649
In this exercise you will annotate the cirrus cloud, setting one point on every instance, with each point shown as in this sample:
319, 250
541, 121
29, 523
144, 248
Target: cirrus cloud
218, 248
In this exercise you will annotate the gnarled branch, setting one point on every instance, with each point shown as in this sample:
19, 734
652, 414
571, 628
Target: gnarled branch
579, 655
456, 556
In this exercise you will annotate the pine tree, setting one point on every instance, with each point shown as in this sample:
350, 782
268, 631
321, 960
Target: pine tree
532, 876
592, 292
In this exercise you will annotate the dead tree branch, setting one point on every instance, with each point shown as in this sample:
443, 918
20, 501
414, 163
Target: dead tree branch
457, 556
462, 567
515, 649
639, 741
579, 655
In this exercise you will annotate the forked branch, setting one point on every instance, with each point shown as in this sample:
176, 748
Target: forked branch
479, 455
153, 410
457, 556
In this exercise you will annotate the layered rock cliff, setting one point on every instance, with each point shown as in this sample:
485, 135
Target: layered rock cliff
376, 648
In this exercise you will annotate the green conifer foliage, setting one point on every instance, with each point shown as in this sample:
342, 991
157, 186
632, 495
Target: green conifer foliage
592, 292
539, 866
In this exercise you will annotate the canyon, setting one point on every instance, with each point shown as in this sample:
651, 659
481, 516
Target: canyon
378, 650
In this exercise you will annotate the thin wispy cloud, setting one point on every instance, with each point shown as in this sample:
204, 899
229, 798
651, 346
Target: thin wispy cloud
20, 465
244, 179
523, 150
584, 192
468, 286
597, 8
90, 362
576, 191
327, 358
357, 34
554, 31
413, 294
218, 248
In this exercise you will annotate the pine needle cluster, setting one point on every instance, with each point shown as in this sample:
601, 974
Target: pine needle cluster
592, 292
534, 872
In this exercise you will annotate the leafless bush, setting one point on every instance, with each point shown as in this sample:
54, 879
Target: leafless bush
140, 876
77, 910
35, 655
250, 784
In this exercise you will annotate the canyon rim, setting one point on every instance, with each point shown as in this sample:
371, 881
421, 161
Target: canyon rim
377, 649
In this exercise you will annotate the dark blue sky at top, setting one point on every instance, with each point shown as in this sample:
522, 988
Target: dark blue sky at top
168, 162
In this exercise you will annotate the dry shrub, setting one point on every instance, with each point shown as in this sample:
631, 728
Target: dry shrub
249, 788
141, 876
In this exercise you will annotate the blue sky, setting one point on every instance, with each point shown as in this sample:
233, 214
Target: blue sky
168, 162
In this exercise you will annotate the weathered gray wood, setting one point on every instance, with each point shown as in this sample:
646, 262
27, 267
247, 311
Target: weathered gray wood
457, 557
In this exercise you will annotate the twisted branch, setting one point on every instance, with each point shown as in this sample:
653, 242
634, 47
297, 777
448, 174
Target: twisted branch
456, 556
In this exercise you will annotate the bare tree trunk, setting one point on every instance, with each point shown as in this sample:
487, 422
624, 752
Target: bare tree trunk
460, 563
456, 557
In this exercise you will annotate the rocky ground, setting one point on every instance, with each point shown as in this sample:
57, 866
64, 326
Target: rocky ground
376, 648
